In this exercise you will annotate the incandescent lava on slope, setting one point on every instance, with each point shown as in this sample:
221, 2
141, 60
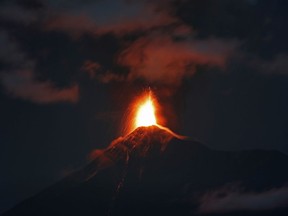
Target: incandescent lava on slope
143, 141
152, 172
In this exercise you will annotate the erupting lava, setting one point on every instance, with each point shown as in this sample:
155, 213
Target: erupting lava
146, 113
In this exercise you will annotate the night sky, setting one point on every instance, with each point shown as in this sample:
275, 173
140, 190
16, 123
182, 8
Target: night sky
70, 69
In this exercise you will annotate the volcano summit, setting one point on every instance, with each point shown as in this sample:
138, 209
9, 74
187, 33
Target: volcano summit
152, 172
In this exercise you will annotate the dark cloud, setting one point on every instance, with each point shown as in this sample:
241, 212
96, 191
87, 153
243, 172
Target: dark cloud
277, 65
23, 12
223, 201
90, 17
19, 80
30, 4
22, 84
260, 24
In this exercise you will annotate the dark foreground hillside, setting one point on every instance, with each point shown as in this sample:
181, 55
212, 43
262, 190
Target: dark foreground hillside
151, 172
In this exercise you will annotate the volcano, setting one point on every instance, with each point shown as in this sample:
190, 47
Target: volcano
153, 172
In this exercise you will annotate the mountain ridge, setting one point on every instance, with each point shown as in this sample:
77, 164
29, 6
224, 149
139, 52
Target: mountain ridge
150, 171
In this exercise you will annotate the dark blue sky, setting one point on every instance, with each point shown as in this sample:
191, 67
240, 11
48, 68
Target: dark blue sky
70, 69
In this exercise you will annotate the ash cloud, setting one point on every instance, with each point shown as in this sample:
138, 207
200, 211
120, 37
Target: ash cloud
154, 46
159, 58
224, 201
166, 51
157, 41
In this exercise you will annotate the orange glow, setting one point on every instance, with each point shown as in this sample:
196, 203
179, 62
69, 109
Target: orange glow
145, 115
144, 112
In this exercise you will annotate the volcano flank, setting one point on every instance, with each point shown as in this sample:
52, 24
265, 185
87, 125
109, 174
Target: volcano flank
152, 172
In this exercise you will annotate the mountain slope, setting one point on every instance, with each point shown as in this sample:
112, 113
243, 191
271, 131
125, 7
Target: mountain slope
152, 172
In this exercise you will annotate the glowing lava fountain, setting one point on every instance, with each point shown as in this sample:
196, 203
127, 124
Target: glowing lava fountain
146, 113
